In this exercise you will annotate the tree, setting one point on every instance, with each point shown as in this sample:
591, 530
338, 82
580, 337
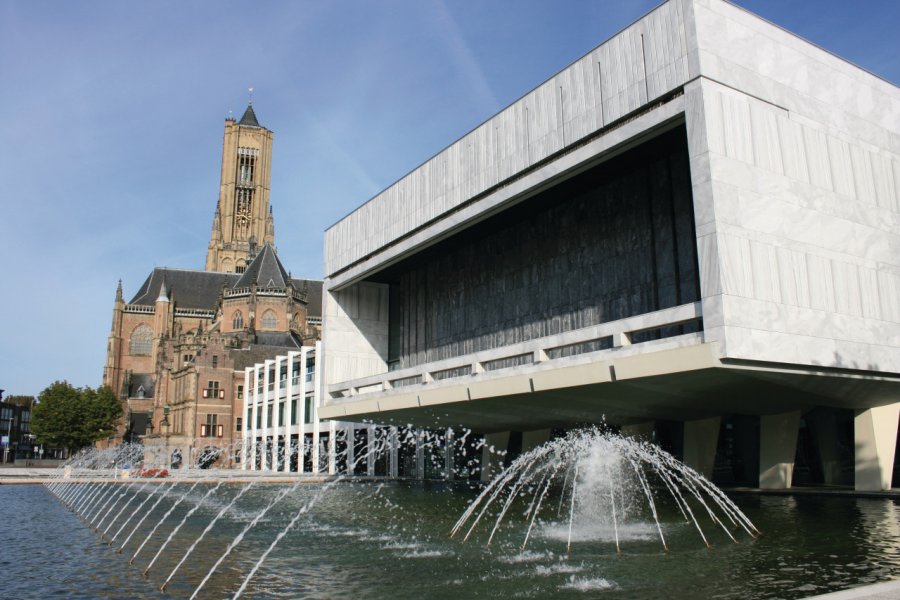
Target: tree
75, 417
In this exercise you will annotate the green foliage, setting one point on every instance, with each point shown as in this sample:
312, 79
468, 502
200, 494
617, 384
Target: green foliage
75, 417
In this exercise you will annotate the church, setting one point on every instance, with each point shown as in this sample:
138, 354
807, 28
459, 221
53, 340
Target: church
178, 349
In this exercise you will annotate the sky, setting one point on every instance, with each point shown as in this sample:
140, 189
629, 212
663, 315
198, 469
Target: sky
112, 116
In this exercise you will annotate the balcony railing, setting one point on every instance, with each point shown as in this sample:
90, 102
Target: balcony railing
597, 338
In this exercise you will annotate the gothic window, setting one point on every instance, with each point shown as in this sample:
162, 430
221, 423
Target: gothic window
240, 267
243, 212
268, 320
246, 163
142, 340
238, 321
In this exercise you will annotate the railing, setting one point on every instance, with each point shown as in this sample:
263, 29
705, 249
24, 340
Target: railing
195, 312
597, 338
139, 309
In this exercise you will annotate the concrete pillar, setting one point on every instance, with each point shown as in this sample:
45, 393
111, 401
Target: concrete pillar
875, 432
332, 448
492, 462
777, 449
245, 420
370, 450
701, 438
393, 469
420, 454
643, 431
448, 454
533, 439
254, 448
350, 433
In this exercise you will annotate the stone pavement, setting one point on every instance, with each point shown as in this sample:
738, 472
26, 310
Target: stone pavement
886, 590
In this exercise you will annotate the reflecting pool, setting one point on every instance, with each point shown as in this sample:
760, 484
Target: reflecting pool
390, 539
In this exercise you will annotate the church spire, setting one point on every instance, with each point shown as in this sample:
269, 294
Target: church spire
243, 212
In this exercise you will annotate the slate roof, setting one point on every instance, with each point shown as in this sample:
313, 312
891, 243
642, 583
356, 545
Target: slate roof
314, 298
200, 289
190, 289
247, 357
265, 269
249, 118
281, 340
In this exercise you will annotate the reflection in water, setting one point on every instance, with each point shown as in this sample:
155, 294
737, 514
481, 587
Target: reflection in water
388, 540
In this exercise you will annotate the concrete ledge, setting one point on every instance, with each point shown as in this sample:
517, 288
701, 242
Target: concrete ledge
455, 393
689, 358
571, 376
398, 402
502, 386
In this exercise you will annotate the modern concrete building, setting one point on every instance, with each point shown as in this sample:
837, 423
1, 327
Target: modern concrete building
691, 233
282, 431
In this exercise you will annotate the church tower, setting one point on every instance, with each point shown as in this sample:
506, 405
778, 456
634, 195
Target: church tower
243, 219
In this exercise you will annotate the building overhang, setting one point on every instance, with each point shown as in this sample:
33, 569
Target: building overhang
682, 383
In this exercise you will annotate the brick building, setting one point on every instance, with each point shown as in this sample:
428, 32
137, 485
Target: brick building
177, 350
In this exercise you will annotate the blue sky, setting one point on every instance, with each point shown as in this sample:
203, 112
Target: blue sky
111, 121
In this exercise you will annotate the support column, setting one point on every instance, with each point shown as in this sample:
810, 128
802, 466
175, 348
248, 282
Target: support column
370, 450
277, 451
420, 454
393, 469
350, 436
254, 448
491, 455
332, 449
533, 439
448, 454
245, 422
289, 416
302, 417
875, 432
777, 449
700, 441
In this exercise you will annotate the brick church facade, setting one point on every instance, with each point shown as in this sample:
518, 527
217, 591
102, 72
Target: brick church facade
178, 349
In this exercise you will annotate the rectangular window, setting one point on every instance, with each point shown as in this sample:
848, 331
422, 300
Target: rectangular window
220, 430
294, 416
209, 429
259, 418
240, 392
238, 422
212, 390
281, 413
215, 361
309, 407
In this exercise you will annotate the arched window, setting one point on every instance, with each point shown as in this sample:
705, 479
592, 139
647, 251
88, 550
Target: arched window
269, 321
142, 340
238, 321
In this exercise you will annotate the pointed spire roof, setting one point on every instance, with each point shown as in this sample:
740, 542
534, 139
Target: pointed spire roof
249, 118
265, 269
163, 295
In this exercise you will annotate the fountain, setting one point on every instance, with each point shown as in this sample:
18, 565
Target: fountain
571, 516
607, 479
